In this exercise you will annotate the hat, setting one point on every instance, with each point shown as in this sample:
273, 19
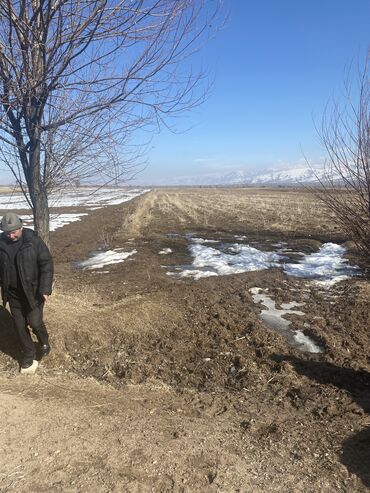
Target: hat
11, 222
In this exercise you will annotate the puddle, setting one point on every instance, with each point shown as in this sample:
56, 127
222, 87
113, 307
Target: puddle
274, 319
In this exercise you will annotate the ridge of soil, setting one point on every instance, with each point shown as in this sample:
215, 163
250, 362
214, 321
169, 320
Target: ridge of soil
160, 384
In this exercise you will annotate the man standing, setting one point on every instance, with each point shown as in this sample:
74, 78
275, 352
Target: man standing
26, 278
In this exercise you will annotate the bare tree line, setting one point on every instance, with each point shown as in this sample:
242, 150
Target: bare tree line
345, 185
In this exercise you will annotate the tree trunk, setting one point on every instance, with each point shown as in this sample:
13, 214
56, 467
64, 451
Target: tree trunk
41, 216
38, 194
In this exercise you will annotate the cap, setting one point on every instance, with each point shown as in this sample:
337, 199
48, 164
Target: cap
11, 222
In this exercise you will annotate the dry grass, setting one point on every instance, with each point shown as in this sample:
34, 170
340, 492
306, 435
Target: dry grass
243, 209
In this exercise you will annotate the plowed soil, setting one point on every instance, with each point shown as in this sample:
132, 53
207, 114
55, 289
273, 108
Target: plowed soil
166, 385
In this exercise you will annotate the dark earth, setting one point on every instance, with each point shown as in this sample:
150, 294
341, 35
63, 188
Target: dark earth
167, 385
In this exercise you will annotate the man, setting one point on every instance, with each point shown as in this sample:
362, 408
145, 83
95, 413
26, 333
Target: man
26, 278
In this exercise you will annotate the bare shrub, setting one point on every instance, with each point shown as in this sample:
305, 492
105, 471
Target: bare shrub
345, 185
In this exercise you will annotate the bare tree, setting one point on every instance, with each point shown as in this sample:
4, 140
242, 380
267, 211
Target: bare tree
345, 185
78, 77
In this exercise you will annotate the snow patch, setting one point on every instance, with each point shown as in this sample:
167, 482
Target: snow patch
274, 318
165, 251
101, 259
82, 197
232, 259
326, 267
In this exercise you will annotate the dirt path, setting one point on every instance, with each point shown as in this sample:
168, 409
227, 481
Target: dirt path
156, 384
78, 435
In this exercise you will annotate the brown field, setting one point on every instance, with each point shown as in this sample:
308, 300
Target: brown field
7, 189
157, 384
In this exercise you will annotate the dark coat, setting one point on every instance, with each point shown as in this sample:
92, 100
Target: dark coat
35, 267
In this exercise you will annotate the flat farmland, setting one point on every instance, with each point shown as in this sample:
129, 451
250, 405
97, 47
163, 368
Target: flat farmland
220, 342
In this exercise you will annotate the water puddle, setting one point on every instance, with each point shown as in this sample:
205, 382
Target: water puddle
274, 318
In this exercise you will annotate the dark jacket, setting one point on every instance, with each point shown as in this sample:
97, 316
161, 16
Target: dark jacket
34, 264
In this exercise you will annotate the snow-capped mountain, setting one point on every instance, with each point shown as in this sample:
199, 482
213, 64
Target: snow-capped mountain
290, 176
287, 176
236, 177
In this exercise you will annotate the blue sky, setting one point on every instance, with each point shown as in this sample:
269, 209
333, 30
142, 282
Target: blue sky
276, 64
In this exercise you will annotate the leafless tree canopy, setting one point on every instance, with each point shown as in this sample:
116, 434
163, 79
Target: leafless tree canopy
345, 189
78, 77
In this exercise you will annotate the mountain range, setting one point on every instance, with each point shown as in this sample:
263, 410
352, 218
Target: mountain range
279, 176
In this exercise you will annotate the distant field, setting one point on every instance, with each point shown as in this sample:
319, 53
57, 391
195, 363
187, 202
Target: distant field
278, 210
6, 189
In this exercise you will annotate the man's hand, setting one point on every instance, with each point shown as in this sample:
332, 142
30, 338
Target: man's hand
46, 297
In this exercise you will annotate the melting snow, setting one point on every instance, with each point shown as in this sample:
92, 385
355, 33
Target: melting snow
202, 241
102, 259
327, 266
165, 251
87, 197
56, 220
273, 317
234, 259
305, 343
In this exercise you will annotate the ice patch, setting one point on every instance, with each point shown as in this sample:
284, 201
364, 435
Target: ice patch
289, 306
274, 318
306, 343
